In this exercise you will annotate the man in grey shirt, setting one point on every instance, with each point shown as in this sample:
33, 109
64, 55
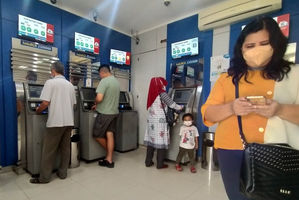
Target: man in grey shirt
107, 102
58, 95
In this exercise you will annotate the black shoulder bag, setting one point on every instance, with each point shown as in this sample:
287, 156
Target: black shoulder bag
169, 115
269, 171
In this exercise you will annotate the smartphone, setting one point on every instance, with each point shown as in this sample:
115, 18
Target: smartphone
256, 100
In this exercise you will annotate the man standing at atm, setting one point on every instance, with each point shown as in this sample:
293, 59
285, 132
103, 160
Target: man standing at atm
58, 95
107, 102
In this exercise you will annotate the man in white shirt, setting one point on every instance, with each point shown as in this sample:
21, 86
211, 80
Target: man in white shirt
58, 95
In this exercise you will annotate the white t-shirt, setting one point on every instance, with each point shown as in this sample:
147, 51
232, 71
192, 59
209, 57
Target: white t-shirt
188, 136
61, 95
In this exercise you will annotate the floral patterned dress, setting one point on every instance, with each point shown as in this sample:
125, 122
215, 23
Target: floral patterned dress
157, 130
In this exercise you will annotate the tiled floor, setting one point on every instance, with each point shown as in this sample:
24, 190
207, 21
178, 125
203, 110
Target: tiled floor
129, 180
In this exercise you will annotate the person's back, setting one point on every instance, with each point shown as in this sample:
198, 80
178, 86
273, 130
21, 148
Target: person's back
58, 95
61, 94
109, 86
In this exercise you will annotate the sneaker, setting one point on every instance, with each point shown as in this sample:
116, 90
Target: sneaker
193, 169
178, 167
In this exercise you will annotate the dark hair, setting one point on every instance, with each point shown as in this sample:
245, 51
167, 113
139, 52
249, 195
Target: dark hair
58, 67
104, 68
277, 68
187, 115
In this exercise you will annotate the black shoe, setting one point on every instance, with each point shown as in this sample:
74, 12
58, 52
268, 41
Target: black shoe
59, 176
36, 181
150, 164
110, 165
103, 163
106, 163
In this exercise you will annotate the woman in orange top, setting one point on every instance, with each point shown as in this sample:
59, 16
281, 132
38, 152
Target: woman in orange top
260, 69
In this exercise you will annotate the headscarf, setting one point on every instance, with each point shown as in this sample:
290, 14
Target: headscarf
157, 86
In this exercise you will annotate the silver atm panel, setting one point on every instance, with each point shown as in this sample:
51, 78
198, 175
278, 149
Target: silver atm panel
126, 137
189, 97
35, 127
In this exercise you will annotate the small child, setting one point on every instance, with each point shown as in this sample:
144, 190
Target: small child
188, 142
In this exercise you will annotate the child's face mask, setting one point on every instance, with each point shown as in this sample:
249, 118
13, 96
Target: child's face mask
187, 123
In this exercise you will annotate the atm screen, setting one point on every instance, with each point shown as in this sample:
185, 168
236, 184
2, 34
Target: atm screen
35, 91
182, 96
89, 94
123, 97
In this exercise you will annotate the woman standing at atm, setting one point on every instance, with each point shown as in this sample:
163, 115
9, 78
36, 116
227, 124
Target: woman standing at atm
157, 130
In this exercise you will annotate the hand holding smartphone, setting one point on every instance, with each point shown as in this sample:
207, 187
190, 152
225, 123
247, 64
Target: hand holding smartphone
256, 100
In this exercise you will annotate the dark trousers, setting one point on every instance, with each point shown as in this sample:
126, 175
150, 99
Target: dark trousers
56, 140
182, 152
160, 156
230, 162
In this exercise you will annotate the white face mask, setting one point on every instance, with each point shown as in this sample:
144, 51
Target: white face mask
258, 56
187, 123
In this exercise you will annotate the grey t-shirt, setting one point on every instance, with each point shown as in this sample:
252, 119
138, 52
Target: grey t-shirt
61, 95
109, 87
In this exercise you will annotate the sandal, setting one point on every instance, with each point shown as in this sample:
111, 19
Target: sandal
36, 181
178, 167
193, 169
163, 166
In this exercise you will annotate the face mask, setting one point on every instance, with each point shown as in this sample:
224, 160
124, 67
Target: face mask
187, 123
258, 56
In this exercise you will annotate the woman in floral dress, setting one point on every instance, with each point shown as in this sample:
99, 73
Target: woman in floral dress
157, 130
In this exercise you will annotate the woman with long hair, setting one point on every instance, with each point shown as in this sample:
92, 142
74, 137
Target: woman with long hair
268, 99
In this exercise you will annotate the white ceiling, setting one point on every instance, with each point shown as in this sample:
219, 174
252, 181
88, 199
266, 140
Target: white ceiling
134, 16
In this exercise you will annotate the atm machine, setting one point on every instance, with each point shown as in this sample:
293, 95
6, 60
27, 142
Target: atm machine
90, 149
126, 138
30, 64
189, 98
35, 127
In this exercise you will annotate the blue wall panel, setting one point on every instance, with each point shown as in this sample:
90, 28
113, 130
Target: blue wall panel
65, 25
9, 95
2, 128
186, 29
108, 38
34, 9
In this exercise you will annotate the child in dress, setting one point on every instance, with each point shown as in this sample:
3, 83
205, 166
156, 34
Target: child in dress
188, 142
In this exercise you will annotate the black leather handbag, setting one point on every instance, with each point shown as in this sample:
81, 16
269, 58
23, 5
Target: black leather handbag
269, 171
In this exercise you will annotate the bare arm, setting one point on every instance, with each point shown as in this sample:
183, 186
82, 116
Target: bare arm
196, 143
99, 98
42, 106
217, 113
288, 112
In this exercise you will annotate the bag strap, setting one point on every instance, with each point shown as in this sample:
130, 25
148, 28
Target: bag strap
244, 142
163, 106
